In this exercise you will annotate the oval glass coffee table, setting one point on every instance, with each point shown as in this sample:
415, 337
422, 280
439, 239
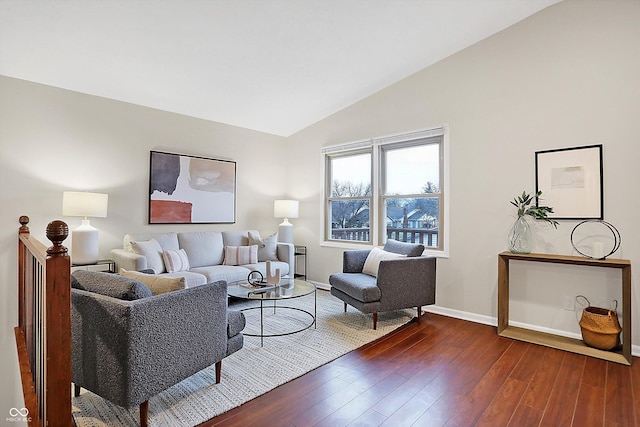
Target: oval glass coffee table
287, 289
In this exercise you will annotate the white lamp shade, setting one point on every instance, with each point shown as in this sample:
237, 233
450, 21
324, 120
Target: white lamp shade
78, 203
285, 209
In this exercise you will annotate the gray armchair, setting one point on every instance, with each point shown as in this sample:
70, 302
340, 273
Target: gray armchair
400, 283
131, 346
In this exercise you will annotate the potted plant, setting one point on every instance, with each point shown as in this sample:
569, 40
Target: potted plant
521, 236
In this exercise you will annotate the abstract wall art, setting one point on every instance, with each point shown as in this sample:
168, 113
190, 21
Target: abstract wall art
191, 190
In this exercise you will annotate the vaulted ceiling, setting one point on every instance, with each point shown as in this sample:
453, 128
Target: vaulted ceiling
275, 66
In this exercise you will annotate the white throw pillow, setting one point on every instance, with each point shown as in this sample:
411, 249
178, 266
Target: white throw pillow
151, 250
175, 260
157, 284
240, 255
267, 247
373, 260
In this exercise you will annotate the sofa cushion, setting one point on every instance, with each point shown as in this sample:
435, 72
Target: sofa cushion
156, 284
267, 246
359, 286
408, 249
175, 260
152, 251
236, 237
240, 255
228, 273
203, 248
373, 260
109, 284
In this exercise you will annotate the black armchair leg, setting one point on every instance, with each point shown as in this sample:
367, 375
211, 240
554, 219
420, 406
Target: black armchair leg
76, 390
419, 314
144, 413
375, 321
345, 307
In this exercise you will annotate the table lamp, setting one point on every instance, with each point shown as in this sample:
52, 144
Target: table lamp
84, 239
285, 209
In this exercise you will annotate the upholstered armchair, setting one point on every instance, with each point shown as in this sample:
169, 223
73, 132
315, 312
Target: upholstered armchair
394, 278
129, 345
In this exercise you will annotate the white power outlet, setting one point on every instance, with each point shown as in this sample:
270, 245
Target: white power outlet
568, 304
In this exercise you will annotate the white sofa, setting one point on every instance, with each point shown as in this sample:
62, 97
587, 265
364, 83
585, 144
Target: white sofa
205, 251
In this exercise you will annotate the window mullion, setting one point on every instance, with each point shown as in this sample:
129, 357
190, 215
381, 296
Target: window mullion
376, 214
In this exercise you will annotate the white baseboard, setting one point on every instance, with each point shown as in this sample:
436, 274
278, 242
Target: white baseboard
489, 320
464, 315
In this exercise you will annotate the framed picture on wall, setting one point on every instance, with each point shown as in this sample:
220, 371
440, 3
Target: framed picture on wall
571, 182
188, 190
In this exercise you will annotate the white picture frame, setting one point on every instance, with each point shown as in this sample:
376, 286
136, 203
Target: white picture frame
571, 182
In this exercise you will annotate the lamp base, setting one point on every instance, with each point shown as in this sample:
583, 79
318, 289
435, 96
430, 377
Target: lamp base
84, 244
285, 232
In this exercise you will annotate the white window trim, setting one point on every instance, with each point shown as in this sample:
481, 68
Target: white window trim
375, 143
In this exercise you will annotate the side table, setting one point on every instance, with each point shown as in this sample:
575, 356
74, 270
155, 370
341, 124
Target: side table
300, 251
104, 265
622, 356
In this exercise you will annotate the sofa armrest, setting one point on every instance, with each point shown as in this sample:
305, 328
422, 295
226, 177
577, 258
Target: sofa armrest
128, 351
286, 253
353, 261
407, 281
128, 260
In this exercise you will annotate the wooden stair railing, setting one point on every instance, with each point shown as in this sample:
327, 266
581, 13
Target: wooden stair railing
43, 334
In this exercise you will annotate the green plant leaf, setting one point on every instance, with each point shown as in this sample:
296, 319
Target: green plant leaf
539, 212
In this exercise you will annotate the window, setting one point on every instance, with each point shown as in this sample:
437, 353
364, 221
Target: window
391, 187
411, 191
349, 196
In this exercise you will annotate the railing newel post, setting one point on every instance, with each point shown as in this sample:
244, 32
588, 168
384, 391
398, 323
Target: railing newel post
57, 232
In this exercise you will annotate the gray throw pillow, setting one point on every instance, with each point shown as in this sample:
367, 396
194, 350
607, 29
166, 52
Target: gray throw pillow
109, 284
408, 249
267, 247
152, 251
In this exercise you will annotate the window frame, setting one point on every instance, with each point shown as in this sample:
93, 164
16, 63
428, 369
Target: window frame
377, 225
328, 197
384, 149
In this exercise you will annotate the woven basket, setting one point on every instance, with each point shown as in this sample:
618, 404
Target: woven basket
600, 328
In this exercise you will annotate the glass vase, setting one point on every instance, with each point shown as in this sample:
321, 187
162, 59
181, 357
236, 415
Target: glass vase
521, 237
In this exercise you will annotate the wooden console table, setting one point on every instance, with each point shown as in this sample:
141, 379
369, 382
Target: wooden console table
556, 341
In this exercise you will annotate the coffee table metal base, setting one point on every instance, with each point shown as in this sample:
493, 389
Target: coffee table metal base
288, 288
262, 335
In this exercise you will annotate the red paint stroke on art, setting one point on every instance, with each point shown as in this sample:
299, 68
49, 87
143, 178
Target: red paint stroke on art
170, 211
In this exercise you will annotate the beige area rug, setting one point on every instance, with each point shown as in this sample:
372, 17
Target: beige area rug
253, 370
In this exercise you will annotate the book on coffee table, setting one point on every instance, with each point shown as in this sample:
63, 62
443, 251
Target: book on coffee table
258, 287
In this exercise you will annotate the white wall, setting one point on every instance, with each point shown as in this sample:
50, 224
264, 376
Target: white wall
52, 140
567, 76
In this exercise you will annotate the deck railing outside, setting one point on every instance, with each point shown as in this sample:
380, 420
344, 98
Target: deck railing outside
425, 236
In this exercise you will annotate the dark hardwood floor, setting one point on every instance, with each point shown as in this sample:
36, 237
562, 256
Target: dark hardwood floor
450, 372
